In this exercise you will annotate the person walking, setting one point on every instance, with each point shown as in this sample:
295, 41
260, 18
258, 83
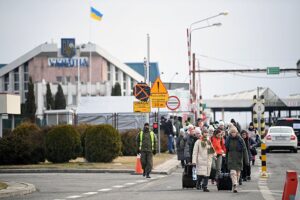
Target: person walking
180, 144
236, 154
253, 134
203, 153
146, 143
219, 146
189, 138
170, 133
250, 143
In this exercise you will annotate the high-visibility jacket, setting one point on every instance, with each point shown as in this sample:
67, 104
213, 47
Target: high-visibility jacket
152, 138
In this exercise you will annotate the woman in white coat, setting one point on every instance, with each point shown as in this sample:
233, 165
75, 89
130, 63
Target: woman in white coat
202, 156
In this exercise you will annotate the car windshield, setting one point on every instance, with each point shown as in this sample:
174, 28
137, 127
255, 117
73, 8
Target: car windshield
280, 130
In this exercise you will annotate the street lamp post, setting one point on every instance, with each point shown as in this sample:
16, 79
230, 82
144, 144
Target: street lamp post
193, 95
78, 51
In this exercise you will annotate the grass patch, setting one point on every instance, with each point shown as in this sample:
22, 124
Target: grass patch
3, 186
122, 162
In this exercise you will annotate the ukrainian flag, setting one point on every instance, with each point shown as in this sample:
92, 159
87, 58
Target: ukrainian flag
95, 14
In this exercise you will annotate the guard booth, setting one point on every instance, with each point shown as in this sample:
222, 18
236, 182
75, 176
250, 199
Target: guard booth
56, 117
10, 104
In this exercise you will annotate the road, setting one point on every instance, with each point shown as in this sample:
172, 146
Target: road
134, 187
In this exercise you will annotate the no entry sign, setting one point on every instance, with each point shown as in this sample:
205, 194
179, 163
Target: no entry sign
173, 103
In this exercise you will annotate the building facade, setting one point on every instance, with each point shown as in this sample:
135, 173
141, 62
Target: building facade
90, 72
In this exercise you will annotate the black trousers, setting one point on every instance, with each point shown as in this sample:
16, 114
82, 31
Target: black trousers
246, 171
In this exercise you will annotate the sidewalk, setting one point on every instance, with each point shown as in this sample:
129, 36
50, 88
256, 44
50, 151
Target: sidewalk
17, 189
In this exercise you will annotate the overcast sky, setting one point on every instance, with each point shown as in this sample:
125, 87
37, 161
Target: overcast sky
255, 34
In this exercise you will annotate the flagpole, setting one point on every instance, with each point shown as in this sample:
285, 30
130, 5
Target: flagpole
90, 59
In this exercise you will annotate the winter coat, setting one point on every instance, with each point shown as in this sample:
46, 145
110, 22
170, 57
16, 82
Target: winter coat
180, 144
249, 142
186, 151
236, 153
202, 157
219, 145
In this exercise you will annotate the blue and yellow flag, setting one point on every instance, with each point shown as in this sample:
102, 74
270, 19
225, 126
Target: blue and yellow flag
95, 14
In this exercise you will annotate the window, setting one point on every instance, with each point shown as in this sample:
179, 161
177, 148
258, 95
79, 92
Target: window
16, 79
108, 72
124, 81
68, 79
6, 82
131, 83
117, 74
124, 93
26, 76
59, 79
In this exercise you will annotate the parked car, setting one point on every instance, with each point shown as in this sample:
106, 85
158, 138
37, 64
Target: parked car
291, 122
281, 137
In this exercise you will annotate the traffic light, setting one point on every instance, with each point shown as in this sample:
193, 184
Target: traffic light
155, 127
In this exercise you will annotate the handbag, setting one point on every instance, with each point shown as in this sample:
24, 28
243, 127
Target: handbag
253, 151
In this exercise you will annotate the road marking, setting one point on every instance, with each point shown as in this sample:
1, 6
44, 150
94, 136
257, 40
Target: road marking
264, 190
90, 193
141, 181
73, 197
104, 190
118, 186
59, 199
129, 183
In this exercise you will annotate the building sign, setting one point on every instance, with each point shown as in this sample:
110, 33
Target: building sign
68, 62
68, 47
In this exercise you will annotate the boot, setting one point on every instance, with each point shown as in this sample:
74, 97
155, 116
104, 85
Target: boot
198, 183
144, 174
240, 182
148, 175
234, 189
205, 189
248, 178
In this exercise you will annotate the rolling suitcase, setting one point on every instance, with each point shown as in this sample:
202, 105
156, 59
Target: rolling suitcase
224, 182
187, 177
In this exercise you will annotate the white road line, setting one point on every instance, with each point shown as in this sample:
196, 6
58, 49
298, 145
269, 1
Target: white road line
129, 183
118, 186
265, 191
104, 190
73, 197
141, 181
58, 199
90, 193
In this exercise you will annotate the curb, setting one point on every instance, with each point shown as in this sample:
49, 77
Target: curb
17, 189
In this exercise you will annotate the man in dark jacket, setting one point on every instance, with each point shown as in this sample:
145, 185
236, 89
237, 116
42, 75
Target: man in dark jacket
170, 133
146, 143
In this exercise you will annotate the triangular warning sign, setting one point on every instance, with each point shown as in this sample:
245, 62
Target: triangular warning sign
158, 87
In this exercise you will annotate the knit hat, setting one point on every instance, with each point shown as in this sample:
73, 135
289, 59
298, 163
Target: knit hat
190, 126
233, 129
211, 128
197, 130
221, 123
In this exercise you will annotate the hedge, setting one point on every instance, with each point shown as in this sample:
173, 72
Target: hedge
102, 143
62, 144
25, 145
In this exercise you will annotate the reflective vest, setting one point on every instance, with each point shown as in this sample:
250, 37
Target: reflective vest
151, 136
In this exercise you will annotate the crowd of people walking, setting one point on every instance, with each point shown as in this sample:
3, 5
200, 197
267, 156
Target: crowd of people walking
216, 149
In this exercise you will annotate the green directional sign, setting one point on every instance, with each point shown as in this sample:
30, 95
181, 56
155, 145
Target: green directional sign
273, 70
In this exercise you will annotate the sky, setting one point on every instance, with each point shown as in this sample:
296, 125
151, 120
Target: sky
255, 34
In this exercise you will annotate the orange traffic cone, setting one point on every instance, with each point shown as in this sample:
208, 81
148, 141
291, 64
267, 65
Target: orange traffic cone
138, 165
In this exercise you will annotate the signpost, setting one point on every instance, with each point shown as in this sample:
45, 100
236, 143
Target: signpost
159, 94
273, 70
259, 107
141, 106
173, 103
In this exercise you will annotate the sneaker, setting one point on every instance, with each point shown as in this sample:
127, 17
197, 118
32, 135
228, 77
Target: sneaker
234, 189
148, 176
205, 190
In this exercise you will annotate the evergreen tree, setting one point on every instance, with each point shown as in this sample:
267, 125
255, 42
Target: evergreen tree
49, 98
116, 91
60, 100
30, 107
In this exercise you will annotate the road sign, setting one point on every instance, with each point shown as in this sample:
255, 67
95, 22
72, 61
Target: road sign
273, 70
141, 106
259, 107
173, 103
141, 91
159, 94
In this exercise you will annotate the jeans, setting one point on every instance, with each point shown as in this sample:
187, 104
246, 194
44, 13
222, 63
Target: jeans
171, 144
203, 180
218, 165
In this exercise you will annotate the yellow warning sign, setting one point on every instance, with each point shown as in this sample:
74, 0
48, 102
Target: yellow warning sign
141, 106
158, 87
159, 94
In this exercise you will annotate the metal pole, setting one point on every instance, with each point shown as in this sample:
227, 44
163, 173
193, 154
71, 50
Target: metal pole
194, 87
158, 121
148, 68
1, 126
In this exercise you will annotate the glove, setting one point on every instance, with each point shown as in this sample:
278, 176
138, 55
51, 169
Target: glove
154, 152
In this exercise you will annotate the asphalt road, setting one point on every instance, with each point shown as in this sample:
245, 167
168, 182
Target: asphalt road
134, 187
